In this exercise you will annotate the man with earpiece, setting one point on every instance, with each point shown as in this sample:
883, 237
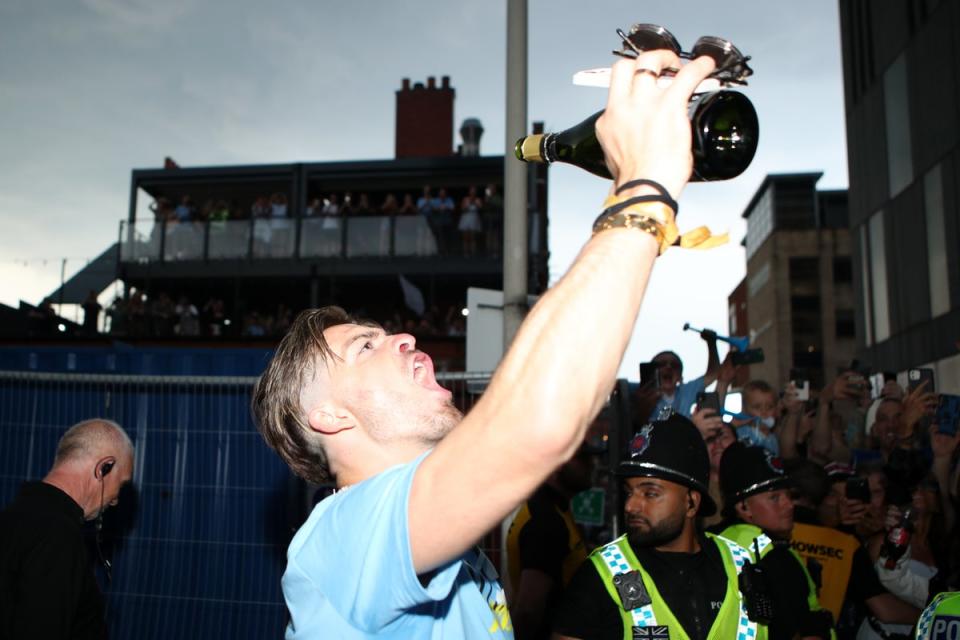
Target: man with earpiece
47, 585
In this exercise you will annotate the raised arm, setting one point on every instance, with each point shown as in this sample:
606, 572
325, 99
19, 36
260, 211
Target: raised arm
713, 358
564, 359
943, 446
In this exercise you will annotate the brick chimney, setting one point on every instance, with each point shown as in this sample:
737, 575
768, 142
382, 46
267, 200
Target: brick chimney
425, 119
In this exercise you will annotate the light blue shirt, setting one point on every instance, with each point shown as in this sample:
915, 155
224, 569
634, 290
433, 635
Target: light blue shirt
750, 435
683, 400
350, 573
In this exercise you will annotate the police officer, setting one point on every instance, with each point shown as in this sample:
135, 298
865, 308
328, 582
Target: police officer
758, 515
662, 579
941, 618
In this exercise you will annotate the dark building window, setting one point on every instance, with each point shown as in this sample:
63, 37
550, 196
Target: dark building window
804, 269
844, 325
842, 270
833, 210
795, 206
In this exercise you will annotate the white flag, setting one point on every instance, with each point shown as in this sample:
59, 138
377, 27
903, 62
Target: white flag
412, 296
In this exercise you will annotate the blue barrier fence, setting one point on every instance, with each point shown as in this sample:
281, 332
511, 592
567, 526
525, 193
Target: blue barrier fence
199, 542
198, 545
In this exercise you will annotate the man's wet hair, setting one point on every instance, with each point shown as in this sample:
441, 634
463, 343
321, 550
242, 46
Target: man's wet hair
276, 402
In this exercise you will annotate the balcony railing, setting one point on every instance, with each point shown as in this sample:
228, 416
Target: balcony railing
147, 240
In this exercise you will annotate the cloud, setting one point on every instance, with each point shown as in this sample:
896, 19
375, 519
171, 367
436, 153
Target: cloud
138, 15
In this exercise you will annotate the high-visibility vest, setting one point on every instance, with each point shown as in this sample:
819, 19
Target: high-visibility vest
576, 549
941, 619
744, 534
731, 623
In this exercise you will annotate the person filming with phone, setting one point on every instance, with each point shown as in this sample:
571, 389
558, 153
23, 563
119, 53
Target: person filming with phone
665, 388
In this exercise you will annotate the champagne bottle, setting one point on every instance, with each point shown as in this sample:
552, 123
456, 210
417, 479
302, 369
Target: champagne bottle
725, 135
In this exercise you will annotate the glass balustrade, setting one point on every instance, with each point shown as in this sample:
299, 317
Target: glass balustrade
268, 238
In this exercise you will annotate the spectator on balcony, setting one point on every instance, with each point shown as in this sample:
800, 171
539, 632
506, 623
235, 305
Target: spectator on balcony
91, 314
219, 215
206, 211
347, 208
278, 206
253, 325
261, 212
408, 208
428, 207
470, 226
162, 314
280, 237
188, 318
492, 219
260, 208
390, 205
444, 220
220, 212
213, 317
314, 208
282, 320
137, 313
162, 210
331, 206
117, 317
185, 210
363, 207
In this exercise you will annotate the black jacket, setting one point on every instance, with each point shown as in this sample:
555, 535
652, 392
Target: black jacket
47, 586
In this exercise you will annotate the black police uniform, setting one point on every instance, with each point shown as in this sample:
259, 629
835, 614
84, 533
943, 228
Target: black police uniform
747, 471
693, 586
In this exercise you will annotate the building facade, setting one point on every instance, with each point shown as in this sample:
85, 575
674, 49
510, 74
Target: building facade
902, 99
231, 253
799, 293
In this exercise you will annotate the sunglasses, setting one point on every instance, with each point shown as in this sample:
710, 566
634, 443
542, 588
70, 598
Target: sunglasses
731, 65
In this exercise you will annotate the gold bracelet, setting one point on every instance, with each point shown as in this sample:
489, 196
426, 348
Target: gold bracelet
659, 211
631, 220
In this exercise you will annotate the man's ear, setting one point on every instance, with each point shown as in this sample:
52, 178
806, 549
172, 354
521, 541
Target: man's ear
329, 420
743, 510
693, 503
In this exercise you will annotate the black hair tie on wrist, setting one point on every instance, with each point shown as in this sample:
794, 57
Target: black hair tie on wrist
642, 182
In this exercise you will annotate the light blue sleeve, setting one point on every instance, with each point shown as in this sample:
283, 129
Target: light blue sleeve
751, 436
357, 553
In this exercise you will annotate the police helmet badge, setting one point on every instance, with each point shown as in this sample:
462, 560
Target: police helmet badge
641, 441
774, 462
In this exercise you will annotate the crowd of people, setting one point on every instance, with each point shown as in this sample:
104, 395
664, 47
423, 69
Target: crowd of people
469, 224
848, 502
724, 537
160, 316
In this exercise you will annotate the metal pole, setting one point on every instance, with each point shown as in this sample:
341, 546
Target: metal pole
63, 272
515, 242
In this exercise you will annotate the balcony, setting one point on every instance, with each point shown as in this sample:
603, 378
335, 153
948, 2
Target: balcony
145, 241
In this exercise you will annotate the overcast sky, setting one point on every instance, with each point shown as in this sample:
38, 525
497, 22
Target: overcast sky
91, 89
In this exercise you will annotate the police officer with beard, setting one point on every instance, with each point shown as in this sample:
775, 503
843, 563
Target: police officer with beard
663, 579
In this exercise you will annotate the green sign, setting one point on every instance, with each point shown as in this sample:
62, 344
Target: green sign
587, 506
